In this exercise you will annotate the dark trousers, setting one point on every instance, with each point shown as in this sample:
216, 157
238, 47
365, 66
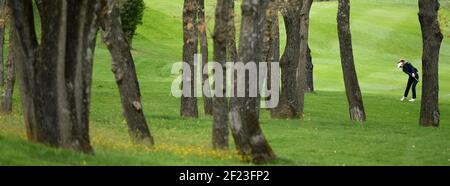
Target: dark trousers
411, 82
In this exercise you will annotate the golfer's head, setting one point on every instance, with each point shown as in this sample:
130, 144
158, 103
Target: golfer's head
400, 63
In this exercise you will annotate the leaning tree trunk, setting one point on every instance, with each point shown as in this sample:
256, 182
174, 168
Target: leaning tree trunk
288, 106
10, 79
207, 100
220, 106
352, 89
189, 102
55, 75
431, 38
125, 73
271, 51
248, 136
303, 51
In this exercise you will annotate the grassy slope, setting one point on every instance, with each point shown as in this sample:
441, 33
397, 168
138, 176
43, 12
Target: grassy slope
383, 31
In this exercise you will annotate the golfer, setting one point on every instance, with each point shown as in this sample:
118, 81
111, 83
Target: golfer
412, 80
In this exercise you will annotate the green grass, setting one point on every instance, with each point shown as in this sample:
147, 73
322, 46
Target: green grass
383, 32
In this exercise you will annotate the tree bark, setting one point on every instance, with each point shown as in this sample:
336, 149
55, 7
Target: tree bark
271, 51
55, 75
303, 52
306, 55
354, 97
22, 21
432, 39
288, 106
125, 73
232, 55
10, 79
309, 88
189, 103
248, 136
220, 106
2, 43
207, 100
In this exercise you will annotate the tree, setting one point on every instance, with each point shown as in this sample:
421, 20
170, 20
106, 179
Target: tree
220, 104
6, 102
354, 97
289, 105
7, 77
190, 43
247, 133
309, 87
55, 74
131, 14
2, 42
125, 73
271, 51
432, 39
201, 27
304, 28
304, 52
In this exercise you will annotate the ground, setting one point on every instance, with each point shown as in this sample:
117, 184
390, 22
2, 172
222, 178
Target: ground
383, 32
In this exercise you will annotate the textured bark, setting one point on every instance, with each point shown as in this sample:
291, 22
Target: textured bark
24, 39
248, 136
207, 101
288, 106
304, 57
305, 54
81, 32
309, 73
220, 106
271, 51
232, 53
55, 75
125, 73
2, 43
432, 39
190, 42
354, 97
10, 79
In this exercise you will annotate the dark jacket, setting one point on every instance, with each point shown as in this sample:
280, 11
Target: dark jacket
409, 69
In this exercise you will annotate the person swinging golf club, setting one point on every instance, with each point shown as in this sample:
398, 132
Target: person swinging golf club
413, 79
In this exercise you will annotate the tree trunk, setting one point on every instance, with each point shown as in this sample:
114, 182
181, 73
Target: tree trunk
220, 106
125, 73
55, 75
303, 51
309, 88
271, 51
232, 53
2, 43
248, 136
304, 29
288, 106
354, 97
10, 79
431, 38
207, 100
189, 103
22, 21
